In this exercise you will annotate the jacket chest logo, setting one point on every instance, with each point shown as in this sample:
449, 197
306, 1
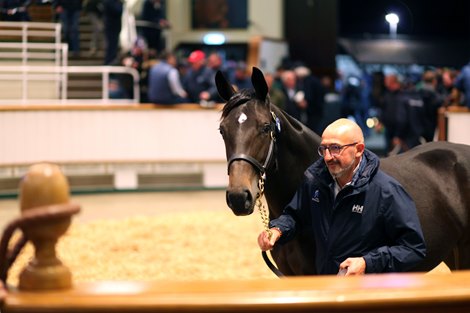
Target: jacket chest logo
316, 196
357, 208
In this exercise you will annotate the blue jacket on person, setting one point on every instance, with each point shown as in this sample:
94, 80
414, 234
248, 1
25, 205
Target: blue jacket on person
372, 217
462, 82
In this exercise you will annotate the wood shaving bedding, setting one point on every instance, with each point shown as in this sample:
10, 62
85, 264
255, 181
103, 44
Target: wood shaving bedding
181, 246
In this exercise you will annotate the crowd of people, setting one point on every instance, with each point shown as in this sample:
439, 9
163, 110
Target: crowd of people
408, 108
406, 105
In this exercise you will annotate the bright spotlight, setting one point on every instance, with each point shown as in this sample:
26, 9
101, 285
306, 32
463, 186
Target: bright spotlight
393, 20
214, 39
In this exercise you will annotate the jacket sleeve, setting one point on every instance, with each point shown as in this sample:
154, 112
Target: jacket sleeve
403, 229
289, 221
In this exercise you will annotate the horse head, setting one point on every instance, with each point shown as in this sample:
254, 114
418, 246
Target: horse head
248, 129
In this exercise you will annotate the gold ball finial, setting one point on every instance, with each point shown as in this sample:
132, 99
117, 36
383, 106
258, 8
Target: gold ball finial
43, 184
46, 215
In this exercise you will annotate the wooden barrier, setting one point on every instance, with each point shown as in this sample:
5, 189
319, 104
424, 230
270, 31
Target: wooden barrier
443, 121
414, 292
139, 146
371, 293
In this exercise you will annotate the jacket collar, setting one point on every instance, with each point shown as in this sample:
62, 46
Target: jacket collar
367, 169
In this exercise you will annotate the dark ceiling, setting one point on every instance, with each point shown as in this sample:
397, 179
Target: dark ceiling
431, 32
422, 18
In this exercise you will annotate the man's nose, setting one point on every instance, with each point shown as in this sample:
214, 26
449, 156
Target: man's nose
327, 155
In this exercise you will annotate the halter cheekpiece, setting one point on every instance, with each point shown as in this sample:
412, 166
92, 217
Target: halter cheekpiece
275, 128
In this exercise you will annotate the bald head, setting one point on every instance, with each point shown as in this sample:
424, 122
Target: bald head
343, 131
345, 138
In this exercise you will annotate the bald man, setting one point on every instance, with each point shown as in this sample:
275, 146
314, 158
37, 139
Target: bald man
363, 221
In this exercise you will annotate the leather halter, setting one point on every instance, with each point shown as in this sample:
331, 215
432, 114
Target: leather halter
275, 127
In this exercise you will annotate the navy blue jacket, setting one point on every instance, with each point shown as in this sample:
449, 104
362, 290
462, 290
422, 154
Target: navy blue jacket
159, 90
373, 217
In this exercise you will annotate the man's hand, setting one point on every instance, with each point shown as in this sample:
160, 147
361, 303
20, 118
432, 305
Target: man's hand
267, 243
353, 266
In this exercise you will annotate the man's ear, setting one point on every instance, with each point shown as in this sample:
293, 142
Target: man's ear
360, 147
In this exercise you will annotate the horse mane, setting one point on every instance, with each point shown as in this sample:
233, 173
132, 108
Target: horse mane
240, 97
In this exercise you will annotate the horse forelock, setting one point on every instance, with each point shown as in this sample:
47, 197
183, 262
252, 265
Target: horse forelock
239, 98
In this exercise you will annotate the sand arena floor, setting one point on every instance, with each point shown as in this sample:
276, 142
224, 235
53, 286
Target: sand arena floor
154, 236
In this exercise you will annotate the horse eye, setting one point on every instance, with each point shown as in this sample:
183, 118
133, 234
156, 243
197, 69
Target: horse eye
266, 128
221, 131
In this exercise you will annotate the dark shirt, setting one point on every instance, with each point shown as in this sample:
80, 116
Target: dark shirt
198, 81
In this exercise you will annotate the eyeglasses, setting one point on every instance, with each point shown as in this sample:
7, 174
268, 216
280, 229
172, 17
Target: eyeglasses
334, 149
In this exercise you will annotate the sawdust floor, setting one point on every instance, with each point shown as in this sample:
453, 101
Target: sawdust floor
154, 236
147, 236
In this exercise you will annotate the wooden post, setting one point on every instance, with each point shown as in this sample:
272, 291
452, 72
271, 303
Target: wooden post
45, 207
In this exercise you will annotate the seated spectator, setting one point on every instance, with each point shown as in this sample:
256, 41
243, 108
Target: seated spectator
216, 63
135, 58
199, 80
241, 79
116, 90
164, 85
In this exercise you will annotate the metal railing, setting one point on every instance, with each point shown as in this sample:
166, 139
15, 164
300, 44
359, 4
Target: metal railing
59, 74
23, 31
26, 66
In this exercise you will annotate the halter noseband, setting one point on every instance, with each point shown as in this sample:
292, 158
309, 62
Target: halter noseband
275, 127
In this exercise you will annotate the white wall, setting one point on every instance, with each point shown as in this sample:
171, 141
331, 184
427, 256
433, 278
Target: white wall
458, 127
133, 139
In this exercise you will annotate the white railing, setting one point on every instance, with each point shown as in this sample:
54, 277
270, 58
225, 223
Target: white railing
59, 74
25, 30
16, 59
37, 72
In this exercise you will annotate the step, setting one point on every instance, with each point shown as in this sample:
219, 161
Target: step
80, 94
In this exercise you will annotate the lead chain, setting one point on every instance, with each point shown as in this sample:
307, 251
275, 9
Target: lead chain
262, 208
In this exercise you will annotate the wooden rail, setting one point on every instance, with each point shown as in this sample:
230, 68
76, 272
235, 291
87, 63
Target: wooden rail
442, 119
372, 293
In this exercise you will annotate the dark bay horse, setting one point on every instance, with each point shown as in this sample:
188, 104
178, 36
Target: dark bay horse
262, 141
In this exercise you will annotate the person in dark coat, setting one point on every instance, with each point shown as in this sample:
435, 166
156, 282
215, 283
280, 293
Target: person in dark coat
363, 220
462, 83
199, 80
69, 13
112, 13
14, 10
94, 10
153, 12
394, 115
314, 95
295, 105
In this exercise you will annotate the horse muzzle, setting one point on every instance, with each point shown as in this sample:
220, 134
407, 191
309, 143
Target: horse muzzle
240, 201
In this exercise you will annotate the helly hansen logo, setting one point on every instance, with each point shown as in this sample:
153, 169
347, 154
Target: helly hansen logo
357, 208
316, 196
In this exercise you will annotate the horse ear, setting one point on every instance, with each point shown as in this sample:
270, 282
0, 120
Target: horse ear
224, 88
259, 83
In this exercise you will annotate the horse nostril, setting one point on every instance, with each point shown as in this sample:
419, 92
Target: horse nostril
248, 200
240, 202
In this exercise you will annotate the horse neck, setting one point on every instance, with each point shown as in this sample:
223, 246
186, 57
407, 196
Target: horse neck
295, 151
